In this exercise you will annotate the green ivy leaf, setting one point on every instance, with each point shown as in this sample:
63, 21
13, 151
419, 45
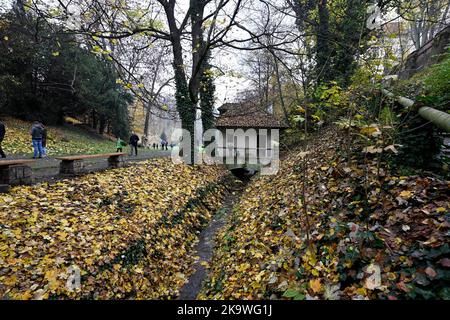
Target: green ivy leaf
290, 293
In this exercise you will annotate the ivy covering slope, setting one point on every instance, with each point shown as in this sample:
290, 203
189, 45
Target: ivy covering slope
372, 235
130, 231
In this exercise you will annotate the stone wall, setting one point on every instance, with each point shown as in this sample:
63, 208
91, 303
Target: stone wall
16, 175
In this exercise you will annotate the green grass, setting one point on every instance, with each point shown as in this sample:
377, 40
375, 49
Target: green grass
64, 140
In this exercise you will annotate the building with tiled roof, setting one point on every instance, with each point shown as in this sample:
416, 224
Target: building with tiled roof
248, 135
246, 115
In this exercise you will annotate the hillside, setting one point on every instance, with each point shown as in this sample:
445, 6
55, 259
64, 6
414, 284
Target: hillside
372, 235
61, 140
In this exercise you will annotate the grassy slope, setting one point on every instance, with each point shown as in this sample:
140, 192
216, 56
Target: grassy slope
61, 140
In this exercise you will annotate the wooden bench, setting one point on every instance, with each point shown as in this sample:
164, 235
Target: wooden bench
15, 172
75, 164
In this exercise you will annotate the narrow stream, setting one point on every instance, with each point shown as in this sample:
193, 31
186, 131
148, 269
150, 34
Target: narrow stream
205, 247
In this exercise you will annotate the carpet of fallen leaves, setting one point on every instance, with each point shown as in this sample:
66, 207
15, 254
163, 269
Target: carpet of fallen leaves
61, 140
129, 231
372, 235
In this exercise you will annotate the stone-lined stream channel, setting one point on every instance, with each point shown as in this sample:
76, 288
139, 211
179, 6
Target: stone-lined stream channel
205, 247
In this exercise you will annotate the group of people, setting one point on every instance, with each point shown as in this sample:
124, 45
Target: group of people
164, 145
38, 139
134, 140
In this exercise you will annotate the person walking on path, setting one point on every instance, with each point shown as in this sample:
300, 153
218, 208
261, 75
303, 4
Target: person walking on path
2, 136
134, 139
44, 140
37, 133
120, 144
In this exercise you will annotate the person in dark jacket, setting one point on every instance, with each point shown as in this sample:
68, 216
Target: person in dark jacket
37, 133
2, 136
134, 139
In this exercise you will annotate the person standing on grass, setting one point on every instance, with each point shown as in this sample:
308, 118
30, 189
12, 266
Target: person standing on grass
37, 133
2, 136
120, 144
134, 139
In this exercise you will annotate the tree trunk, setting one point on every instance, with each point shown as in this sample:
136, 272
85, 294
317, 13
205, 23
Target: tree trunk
323, 50
280, 91
185, 107
94, 119
207, 90
147, 121
198, 48
102, 125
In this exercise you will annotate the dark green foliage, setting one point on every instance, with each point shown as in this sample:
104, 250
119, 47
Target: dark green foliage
420, 143
350, 33
437, 83
340, 33
46, 75
323, 47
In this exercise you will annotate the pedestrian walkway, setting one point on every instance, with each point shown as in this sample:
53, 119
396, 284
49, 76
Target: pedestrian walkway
47, 169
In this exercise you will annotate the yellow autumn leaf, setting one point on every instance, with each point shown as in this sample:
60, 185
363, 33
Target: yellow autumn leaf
406, 194
315, 285
369, 131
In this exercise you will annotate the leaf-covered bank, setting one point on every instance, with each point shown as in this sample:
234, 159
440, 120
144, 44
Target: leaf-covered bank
373, 235
130, 232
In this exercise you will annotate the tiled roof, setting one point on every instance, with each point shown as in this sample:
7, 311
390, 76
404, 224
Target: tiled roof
246, 115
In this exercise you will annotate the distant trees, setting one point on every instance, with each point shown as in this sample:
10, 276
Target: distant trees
425, 18
46, 74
